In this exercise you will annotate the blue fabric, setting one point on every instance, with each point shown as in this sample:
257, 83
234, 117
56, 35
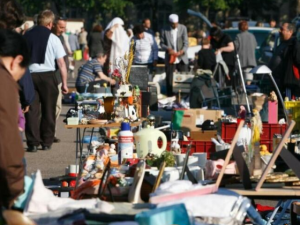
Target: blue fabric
20, 203
255, 216
174, 214
27, 92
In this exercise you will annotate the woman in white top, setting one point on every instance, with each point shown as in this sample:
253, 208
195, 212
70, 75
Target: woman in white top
146, 50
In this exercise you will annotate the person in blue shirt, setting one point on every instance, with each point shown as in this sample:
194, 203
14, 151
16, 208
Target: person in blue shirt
92, 71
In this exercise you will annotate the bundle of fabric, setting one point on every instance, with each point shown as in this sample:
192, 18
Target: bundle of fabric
37, 199
222, 207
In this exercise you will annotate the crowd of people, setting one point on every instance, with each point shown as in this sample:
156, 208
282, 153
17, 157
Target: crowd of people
37, 59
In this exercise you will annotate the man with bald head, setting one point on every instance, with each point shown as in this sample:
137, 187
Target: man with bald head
285, 62
174, 40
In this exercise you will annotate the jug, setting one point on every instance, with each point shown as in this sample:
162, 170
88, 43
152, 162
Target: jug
146, 142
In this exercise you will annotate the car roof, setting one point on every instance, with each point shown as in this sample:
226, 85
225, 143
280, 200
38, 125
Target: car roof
260, 33
269, 29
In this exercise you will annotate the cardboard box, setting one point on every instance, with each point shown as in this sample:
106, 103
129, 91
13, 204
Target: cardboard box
194, 117
203, 135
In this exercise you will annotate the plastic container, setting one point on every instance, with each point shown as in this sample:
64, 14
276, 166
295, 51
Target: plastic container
207, 147
229, 129
294, 108
125, 143
197, 146
270, 129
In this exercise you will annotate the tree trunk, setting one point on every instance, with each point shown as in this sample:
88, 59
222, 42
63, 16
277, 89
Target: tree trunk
207, 12
155, 15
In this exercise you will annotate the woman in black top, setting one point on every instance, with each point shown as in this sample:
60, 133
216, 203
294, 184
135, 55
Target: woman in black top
222, 43
206, 56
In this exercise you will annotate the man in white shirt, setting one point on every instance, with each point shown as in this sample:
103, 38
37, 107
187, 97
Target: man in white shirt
59, 28
46, 48
146, 50
174, 40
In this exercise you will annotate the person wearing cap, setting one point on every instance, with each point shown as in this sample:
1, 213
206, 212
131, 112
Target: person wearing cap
174, 40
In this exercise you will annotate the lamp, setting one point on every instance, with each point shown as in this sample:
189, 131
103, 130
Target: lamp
263, 69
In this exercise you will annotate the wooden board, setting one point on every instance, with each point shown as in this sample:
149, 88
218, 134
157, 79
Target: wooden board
134, 124
277, 193
275, 154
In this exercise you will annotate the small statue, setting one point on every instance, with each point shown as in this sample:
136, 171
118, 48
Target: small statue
175, 147
273, 97
112, 149
264, 150
242, 112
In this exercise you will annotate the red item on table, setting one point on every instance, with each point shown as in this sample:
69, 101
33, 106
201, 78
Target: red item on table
64, 184
262, 208
72, 183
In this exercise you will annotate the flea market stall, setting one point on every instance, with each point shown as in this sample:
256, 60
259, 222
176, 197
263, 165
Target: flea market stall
179, 166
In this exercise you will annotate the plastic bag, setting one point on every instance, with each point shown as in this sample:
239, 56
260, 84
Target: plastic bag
77, 55
86, 55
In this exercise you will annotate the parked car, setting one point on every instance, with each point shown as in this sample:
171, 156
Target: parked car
267, 38
269, 46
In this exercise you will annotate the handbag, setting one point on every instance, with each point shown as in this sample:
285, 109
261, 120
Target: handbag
86, 55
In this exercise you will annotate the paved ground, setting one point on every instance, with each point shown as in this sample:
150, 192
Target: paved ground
52, 163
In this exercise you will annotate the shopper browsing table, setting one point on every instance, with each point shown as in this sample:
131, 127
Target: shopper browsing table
92, 71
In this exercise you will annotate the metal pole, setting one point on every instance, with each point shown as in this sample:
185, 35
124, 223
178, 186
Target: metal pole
243, 83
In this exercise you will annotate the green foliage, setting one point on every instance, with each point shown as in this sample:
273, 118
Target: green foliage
155, 161
212, 4
32, 7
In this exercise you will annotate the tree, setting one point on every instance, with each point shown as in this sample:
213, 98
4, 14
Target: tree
93, 7
257, 7
205, 6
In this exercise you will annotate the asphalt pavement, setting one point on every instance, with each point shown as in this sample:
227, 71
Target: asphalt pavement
52, 163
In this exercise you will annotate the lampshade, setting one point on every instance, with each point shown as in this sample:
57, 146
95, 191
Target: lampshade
263, 69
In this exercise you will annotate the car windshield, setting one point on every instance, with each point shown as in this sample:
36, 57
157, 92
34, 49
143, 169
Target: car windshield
260, 35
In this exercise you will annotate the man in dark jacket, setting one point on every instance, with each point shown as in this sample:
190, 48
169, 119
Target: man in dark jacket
285, 62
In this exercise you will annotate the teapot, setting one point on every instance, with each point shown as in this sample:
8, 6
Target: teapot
146, 141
